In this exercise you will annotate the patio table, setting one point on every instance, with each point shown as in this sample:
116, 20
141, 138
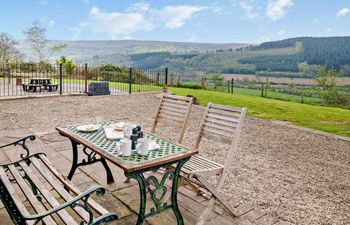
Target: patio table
134, 166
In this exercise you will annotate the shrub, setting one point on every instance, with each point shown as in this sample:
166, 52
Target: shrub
190, 85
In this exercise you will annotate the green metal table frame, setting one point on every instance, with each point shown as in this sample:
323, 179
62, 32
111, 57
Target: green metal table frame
157, 188
91, 159
145, 184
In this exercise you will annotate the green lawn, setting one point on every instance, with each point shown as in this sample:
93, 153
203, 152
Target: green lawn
277, 95
328, 119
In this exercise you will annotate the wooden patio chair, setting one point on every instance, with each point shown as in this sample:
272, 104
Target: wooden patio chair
223, 124
173, 110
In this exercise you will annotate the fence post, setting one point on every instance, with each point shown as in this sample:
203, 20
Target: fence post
232, 82
171, 79
302, 95
157, 78
130, 79
61, 79
228, 86
262, 89
266, 86
166, 76
85, 78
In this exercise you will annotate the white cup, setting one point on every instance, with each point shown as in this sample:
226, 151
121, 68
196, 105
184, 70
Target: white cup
142, 146
125, 147
128, 129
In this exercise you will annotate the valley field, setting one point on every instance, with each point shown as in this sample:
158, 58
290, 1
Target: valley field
328, 119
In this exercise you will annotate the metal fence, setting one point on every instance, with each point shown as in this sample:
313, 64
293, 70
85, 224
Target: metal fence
20, 79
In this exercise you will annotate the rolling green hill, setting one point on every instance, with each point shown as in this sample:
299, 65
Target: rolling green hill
189, 65
281, 56
192, 59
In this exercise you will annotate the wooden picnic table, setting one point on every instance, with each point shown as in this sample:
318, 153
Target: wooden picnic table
134, 166
40, 80
37, 83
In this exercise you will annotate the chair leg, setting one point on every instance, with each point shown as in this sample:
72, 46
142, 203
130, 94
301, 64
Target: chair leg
192, 185
205, 214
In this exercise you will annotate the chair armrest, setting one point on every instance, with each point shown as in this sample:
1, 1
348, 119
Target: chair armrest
73, 203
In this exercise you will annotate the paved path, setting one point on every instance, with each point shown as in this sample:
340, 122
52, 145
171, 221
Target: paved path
123, 198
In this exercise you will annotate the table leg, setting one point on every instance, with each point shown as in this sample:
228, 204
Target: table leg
174, 190
74, 160
157, 189
142, 185
91, 160
110, 179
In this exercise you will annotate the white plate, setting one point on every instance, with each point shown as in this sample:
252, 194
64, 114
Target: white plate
112, 134
88, 128
153, 146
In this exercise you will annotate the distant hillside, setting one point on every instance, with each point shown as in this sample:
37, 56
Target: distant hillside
295, 57
82, 50
327, 51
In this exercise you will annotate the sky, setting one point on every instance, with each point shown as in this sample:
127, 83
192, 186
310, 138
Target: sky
226, 21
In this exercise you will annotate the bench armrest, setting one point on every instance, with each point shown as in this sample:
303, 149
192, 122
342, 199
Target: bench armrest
84, 197
17, 142
22, 143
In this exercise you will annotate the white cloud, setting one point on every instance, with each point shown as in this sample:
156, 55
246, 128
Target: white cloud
276, 9
248, 8
343, 12
42, 2
51, 23
329, 29
281, 33
78, 30
177, 16
139, 7
264, 39
138, 17
114, 24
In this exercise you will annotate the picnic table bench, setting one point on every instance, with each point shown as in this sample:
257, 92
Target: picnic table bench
38, 83
35, 179
31, 87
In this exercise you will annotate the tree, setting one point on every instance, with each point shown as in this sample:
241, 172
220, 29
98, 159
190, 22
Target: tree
328, 84
68, 65
8, 50
36, 36
291, 87
217, 80
303, 66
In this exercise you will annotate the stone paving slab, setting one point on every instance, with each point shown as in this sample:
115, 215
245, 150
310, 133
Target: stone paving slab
98, 173
123, 198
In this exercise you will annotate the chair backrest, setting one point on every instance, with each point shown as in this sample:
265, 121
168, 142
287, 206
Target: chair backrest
173, 110
224, 124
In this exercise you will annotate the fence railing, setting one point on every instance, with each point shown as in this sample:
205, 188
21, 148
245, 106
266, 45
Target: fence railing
35, 79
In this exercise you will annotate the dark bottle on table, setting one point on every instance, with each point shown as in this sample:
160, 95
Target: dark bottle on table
139, 132
134, 136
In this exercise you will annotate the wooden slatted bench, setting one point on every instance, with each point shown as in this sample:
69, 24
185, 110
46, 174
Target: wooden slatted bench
32, 191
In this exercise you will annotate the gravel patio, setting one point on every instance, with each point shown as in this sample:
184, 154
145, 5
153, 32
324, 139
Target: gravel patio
295, 175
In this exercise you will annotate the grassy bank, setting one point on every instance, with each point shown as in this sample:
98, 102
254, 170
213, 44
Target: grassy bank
328, 119
278, 95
